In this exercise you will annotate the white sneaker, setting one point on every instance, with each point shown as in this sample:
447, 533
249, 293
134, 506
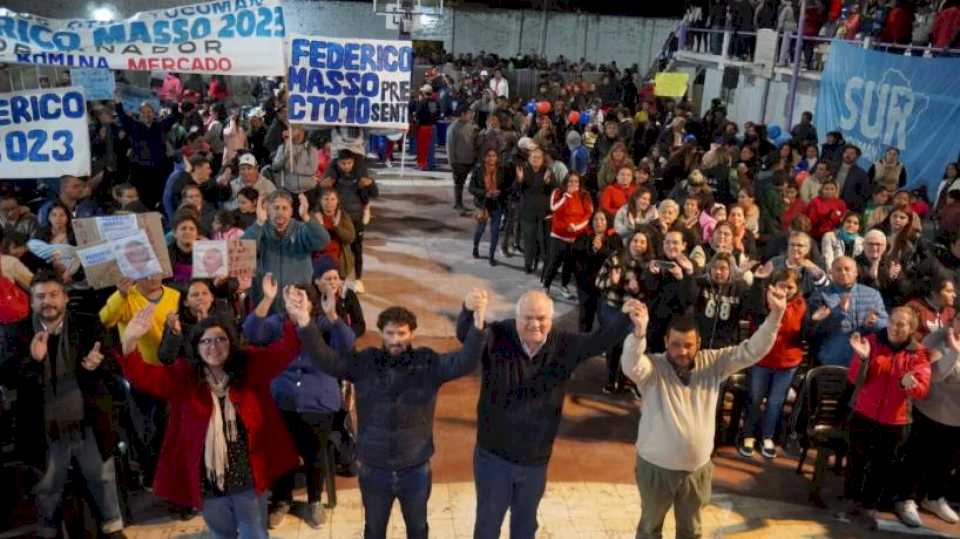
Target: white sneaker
942, 509
358, 287
907, 512
746, 446
769, 449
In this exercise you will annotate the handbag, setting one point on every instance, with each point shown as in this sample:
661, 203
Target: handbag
14, 303
482, 215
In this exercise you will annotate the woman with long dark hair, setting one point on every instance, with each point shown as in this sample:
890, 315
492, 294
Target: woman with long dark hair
198, 303
225, 443
488, 185
589, 256
572, 208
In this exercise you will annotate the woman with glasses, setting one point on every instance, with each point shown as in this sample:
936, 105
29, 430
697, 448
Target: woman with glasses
225, 441
798, 259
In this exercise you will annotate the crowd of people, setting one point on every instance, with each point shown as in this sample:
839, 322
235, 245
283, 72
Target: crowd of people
681, 234
896, 25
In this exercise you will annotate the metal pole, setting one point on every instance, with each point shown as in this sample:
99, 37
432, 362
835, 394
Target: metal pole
795, 77
403, 155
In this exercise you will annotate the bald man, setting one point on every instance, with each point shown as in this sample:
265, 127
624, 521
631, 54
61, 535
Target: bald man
840, 309
526, 365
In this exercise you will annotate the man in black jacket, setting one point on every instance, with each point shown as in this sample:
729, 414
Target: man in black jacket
397, 387
853, 181
525, 371
65, 406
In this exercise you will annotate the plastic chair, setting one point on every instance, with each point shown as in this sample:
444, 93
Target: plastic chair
820, 421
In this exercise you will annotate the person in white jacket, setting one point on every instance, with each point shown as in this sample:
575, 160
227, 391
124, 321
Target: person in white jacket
677, 414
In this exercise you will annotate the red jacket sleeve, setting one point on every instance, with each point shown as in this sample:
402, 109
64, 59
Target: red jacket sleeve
920, 367
161, 381
269, 361
605, 203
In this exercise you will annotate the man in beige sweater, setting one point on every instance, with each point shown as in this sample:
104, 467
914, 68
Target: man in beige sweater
680, 390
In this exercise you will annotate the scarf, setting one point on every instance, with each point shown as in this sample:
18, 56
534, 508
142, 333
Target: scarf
845, 237
62, 399
221, 429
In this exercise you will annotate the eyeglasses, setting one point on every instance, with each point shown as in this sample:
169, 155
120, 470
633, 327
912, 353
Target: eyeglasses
219, 339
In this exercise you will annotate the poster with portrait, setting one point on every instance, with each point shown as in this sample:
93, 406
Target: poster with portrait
224, 258
135, 256
102, 258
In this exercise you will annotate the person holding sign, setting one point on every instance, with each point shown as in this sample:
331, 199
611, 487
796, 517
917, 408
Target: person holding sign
398, 385
297, 172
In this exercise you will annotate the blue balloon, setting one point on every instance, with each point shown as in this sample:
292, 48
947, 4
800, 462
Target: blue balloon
783, 139
584, 118
531, 107
774, 131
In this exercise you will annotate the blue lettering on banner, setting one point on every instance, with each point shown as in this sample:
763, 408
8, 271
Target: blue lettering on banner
879, 100
49, 106
36, 146
339, 82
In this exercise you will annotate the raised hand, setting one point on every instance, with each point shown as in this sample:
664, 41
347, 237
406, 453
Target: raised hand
262, 210
776, 299
124, 286
895, 270
685, 264
860, 345
520, 173
297, 305
764, 271
173, 323
821, 314
137, 327
94, 358
38, 346
304, 207
615, 275
638, 315
328, 302
480, 301
909, 381
269, 286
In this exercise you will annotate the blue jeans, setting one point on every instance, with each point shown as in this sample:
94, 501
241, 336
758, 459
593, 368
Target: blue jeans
99, 475
495, 217
380, 487
772, 384
242, 515
501, 485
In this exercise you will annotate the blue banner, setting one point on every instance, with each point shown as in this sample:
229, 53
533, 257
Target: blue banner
97, 84
878, 100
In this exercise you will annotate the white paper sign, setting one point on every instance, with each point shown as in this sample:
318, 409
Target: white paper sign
96, 255
210, 259
232, 37
43, 133
135, 256
114, 227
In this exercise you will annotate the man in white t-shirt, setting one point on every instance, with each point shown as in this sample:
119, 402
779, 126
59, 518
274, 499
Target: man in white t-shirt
499, 85
678, 411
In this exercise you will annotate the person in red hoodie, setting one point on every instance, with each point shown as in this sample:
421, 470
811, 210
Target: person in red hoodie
826, 211
888, 370
793, 205
772, 376
898, 27
946, 27
225, 441
615, 195
572, 208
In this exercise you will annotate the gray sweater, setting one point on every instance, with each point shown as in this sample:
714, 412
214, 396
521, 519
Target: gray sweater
943, 403
462, 143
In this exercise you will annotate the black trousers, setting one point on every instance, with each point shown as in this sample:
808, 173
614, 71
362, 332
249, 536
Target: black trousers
931, 452
357, 248
460, 173
309, 432
873, 461
534, 235
561, 252
588, 298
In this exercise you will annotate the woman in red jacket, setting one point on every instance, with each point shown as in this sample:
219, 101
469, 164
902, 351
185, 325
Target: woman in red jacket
772, 376
572, 208
896, 370
826, 211
225, 442
615, 195
935, 310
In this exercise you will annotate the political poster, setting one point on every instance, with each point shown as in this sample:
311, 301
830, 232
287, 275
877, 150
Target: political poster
224, 258
671, 84
132, 97
97, 84
43, 134
231, 37
349, 82
113, 247
879, 100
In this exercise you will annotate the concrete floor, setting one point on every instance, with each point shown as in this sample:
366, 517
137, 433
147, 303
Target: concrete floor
418, 255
